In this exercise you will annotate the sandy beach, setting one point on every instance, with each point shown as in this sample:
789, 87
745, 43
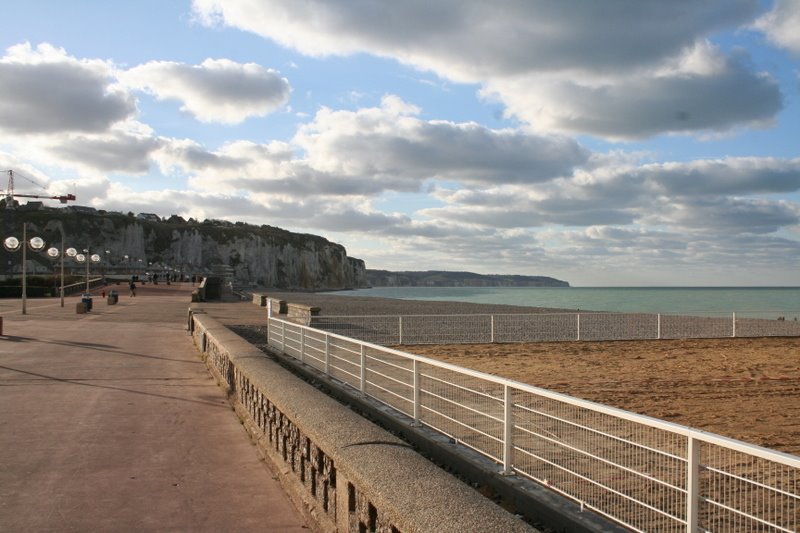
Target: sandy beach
743, 388
747, 389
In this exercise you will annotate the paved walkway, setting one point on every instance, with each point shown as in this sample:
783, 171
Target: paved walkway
109, 421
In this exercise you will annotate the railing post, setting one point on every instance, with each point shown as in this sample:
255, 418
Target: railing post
327, 355
692, 485
578, 325
400, 329
269, 317
508, 430
492, 323
734, 324
363, 380
283, 337
302, 344
659, 327
416, 393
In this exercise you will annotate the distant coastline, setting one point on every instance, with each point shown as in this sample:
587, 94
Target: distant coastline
441, 278
746, 302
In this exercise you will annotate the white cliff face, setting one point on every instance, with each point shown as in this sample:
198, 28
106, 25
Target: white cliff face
270, 261
131, 242
265, 256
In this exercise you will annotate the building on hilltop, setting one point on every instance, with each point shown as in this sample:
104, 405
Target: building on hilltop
32, 206
81, 209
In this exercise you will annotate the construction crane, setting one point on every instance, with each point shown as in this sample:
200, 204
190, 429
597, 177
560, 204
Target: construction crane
10, 194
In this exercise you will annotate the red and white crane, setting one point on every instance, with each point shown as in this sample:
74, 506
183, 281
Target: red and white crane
10, 194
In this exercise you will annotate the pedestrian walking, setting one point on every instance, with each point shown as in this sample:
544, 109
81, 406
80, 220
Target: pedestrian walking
132, 286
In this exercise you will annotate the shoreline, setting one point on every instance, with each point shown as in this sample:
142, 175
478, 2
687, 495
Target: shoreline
761, 302
345, 304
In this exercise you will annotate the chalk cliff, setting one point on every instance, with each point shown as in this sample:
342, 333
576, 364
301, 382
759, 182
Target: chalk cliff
263, 255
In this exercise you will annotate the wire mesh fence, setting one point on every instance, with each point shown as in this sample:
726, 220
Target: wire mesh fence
647, 474
550, 327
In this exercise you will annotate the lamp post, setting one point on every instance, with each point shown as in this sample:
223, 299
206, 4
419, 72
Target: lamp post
53, 253
73, 254
12, 244
24, 269
61, 229
85, 257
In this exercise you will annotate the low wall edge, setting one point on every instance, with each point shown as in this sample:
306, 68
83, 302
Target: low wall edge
350, 474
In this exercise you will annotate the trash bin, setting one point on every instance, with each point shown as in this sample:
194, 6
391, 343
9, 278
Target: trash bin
113, 297
86, 298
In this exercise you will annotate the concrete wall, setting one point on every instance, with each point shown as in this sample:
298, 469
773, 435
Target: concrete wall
344, 472
300, 313
278, 306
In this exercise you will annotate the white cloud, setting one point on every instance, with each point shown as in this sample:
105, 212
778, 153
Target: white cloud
782, 25
237, 159
473, 40
700, 196
370, 151
732, 176
737, 215
217, 90
392, 145
697, 92
613, 70
117, 151
46, 91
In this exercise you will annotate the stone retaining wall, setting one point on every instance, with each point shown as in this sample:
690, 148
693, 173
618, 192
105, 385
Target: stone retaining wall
345, 473
278, 306
301, 314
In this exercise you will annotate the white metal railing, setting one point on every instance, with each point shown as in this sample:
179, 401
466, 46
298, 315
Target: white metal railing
546, 327
645, 473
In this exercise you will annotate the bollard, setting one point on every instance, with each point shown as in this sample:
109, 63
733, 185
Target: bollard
1, 326
80, 308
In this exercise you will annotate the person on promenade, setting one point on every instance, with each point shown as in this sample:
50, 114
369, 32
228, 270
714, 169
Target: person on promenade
133, 288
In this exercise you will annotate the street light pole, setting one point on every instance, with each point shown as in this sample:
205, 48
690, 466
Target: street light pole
24, 270
86, 251
61, 228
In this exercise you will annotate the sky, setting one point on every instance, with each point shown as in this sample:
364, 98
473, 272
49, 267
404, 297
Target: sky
611, 143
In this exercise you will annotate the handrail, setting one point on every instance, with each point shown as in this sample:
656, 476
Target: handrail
792, 460
613, 453
559, 326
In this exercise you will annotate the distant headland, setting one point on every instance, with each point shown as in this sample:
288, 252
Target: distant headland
439, 278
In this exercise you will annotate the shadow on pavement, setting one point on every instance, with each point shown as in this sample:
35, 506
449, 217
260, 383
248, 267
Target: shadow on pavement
121, 389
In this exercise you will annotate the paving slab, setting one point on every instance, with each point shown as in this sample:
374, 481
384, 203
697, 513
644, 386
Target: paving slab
109, 421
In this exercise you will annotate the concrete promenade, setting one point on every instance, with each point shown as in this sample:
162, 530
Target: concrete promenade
109, 421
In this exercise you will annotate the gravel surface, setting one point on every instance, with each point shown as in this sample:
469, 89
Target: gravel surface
343, 304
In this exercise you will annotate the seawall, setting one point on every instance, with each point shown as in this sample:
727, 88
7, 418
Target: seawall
344, 472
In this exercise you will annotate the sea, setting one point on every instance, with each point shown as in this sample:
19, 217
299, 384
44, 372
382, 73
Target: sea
766, 302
